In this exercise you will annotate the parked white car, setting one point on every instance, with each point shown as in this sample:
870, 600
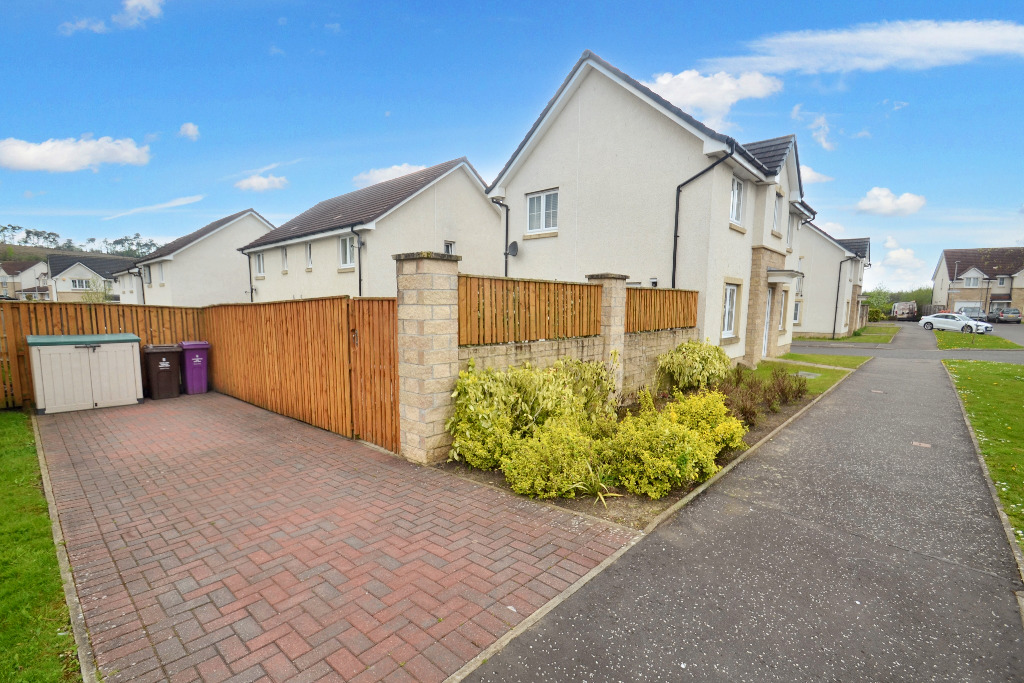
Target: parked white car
954, 321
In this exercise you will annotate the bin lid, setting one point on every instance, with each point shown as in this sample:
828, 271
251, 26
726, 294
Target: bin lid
161, 348
194, 345
79, 339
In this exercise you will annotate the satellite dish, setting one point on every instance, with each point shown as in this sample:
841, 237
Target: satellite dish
513, 248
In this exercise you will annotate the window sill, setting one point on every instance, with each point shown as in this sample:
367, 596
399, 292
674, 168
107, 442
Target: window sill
149, 286
309, 270
284, 272
163, 284
776, 233
738, 228
789, 250
540, 235
260, 277
730, 340
347, 269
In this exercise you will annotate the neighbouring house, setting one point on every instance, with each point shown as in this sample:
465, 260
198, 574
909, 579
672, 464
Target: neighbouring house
614, 178
79, 277
200, 269
345, 245
828, 300
18, 277
990, 279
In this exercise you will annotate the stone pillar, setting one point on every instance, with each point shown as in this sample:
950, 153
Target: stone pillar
613, 321
428, 352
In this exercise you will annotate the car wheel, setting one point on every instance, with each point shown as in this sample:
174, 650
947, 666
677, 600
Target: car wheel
928, 326
965, 328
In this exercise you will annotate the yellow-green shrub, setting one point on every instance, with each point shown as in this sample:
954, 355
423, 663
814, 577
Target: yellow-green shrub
706, 413
693, 364
481, 424
554, 462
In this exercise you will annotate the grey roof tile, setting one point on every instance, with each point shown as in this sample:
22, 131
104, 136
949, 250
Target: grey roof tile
861, 246
771, 153
104, 265
992, 261
182, 242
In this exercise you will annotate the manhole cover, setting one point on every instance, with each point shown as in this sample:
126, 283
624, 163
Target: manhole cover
808, 375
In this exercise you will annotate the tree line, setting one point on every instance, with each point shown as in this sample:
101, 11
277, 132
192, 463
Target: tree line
129, 245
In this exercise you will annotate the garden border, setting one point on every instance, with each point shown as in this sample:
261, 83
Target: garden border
86, 657
523, 626
1011, 538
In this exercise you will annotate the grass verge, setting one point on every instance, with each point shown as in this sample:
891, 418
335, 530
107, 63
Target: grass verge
35, 629
962, 340
992, 394
871, 334
815, 385
851, 362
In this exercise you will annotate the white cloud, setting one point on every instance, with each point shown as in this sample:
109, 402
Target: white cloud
29, 194
190, 131
819, 131
902, 258
891, 243
809, 176
275, 51
333, 28
862, 134
795, 112
714, 95
910, 45
70, 154
897, 105
261, 183
181, 201
135, 13
379, 175
833, 229
883, 202
71, 27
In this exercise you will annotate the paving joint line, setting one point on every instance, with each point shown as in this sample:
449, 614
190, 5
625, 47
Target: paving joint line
523, 626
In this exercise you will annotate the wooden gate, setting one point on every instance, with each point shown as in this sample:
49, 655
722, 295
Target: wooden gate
373, 349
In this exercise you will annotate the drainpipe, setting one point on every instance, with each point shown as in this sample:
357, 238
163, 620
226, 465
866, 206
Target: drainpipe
359, 256
248, 258
679, 189
498, 202
839, 286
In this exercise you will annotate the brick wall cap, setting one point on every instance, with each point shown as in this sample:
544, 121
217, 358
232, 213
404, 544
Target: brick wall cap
607, 276
432, 255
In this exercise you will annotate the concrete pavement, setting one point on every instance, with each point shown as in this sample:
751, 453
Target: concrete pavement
860, 544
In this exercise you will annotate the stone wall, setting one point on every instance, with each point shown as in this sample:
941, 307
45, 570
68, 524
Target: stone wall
539, 354
762, 259
640, 357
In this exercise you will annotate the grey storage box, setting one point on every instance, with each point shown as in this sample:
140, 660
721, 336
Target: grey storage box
83, 371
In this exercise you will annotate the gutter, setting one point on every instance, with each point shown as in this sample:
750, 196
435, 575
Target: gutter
679, 190
496, 201
839, 286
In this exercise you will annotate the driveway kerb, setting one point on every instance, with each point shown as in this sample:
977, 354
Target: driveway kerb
528, 623
86, 656
1007, 528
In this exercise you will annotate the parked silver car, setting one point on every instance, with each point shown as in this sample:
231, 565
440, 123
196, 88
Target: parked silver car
954, 321
1005, 315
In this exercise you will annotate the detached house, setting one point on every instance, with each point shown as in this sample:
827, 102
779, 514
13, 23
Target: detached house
201, 268
614, 178
344, 245
73, 277
989, 279
828, 301
21, 279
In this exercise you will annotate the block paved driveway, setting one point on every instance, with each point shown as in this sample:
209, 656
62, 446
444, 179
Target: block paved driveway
212, 540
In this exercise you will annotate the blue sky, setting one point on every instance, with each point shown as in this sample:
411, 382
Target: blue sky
159, 116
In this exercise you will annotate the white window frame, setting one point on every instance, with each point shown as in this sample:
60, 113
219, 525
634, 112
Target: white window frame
736, 201
790, 230
1002, 282
160, 269
545, 200
782, 307
969, 280
778, 214
309, 254
449, 247
147, 275
729, 310
77, 283
797, 305
347, 251
284, 258
260, 270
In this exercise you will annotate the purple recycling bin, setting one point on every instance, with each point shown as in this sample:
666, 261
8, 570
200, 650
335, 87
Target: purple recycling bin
195, 355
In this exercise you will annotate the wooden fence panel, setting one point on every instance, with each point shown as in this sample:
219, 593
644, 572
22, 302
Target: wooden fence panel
494, 310
152, 324
660, 309
373, 338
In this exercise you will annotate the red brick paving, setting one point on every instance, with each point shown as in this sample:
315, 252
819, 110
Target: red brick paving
212, 540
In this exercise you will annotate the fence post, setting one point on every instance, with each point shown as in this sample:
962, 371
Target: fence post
428, 351
613, 320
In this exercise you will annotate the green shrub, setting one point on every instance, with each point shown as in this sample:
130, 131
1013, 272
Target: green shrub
876, 315
744, 393
786, 386
554, 463
592, 383
693, 364
650, 453
481, 423
707, 414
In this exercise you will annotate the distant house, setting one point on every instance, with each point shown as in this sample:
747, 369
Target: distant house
21, 276
828, 296
72, 277
199, 269
990, 279
344, 245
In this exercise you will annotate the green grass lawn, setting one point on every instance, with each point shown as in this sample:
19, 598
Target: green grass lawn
35, 631
824, 359
815, 385
871, 334
963, 340
881, 328
992, 394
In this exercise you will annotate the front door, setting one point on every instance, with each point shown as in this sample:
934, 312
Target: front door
767, 325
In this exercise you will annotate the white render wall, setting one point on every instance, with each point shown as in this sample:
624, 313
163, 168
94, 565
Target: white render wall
208, 271
129, 287
453, 208
820, 265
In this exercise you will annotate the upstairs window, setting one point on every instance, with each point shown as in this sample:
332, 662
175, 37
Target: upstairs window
449, 248
1002, 281
970, 282
284, 258
347, 251
160, 269
147, 275
777, 224
259, 264
790, 230
542, 211
309, 254
736, 204
79, 284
